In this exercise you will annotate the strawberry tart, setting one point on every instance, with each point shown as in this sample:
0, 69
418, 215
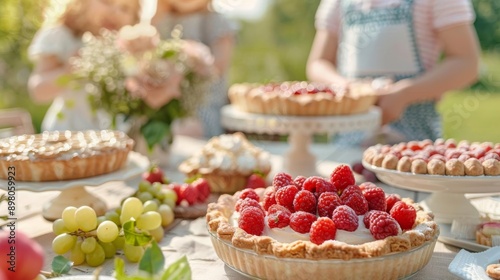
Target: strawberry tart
63, 155
313, 228
301, 98
440, 157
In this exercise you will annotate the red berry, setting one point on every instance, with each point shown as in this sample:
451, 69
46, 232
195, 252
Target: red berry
250, 193
301, 221
403, 213
327, 202
153, 175
357, 202
370, 176
342, 177
251, 220
384, 226
345, 218
376, 198
285, 196
203, 187
299, 181
366, 185
304, 201
255, 181
351, 190
282, 179
269, 199
372, 214
177, 189
321, 230
243, 203
278, 216
189, 193
390, 200
317, 185
358, 168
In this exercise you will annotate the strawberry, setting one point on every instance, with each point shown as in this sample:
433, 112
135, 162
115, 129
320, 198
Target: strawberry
203, 187
154, 174
256, 181
189, 193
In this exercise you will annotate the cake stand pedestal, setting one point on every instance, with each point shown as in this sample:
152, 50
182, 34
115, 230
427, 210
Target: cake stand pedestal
299, 160
73, 192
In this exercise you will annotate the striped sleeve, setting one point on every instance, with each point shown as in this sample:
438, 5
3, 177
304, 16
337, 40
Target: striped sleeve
328, 16
451, 12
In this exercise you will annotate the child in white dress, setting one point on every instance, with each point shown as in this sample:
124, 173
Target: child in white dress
53, 46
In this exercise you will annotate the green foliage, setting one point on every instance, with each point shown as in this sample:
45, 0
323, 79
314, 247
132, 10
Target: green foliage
487, 23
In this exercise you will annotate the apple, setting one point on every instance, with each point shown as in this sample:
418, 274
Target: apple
23, 257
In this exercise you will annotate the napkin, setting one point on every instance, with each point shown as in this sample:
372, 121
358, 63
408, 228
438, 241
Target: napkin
472, 266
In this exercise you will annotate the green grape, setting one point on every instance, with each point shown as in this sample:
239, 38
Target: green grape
101, 219
86, 218
133, 253
144, 186
63, 243
131, 208
169, 193
68, 216
168, 201
119, 210
89, 245
150, 205
157, 201
77, 256
157, 233
96, 258
167, 214
149, 220
113, 216
119, 242
107, 231
145, 196
58, 227
109, 249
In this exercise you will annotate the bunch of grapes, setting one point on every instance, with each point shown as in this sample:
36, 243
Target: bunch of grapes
91, 239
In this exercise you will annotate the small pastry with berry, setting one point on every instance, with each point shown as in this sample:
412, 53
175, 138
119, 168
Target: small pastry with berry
488, 234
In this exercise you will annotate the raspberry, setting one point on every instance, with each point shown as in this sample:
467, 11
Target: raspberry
376, 198
366, 185
244, 203
384, 226
317, 185
278, 216
327, 202
285, 196
321, 230
269, 199
282, 179
255, 181
390, 200
304, 201
342, 177
372, 214
403, 213
357, 202
189, 193
203, 187
251, 220
345, 218
351, 190
301, 221
299, 181
250, 193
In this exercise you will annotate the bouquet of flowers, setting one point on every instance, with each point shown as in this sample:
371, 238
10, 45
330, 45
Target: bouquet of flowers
133, 75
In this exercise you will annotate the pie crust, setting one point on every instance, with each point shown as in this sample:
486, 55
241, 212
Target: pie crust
317, 100
63, 155
264, 257
441, 157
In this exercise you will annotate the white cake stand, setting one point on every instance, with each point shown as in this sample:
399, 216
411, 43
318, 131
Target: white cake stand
447, 200
73, 192
298, 160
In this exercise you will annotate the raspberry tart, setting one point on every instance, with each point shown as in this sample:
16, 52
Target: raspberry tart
440, 157
228, 162
301, 98
64, 155
313, 228
488, 234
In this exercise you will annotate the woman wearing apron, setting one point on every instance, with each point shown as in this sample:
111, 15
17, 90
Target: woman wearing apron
401, 40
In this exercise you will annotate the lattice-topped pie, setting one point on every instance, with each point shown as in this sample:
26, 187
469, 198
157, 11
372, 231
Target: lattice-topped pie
330, 225
64, 155
301, 98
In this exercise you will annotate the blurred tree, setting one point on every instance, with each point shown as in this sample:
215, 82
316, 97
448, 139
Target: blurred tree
487, 23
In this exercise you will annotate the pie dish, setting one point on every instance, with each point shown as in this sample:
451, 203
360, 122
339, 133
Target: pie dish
301, 98
226, 162
63, 155
440, 157
285, 254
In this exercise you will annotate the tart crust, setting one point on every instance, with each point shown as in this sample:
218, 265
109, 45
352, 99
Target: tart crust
275, 99
218, 216
63, 155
